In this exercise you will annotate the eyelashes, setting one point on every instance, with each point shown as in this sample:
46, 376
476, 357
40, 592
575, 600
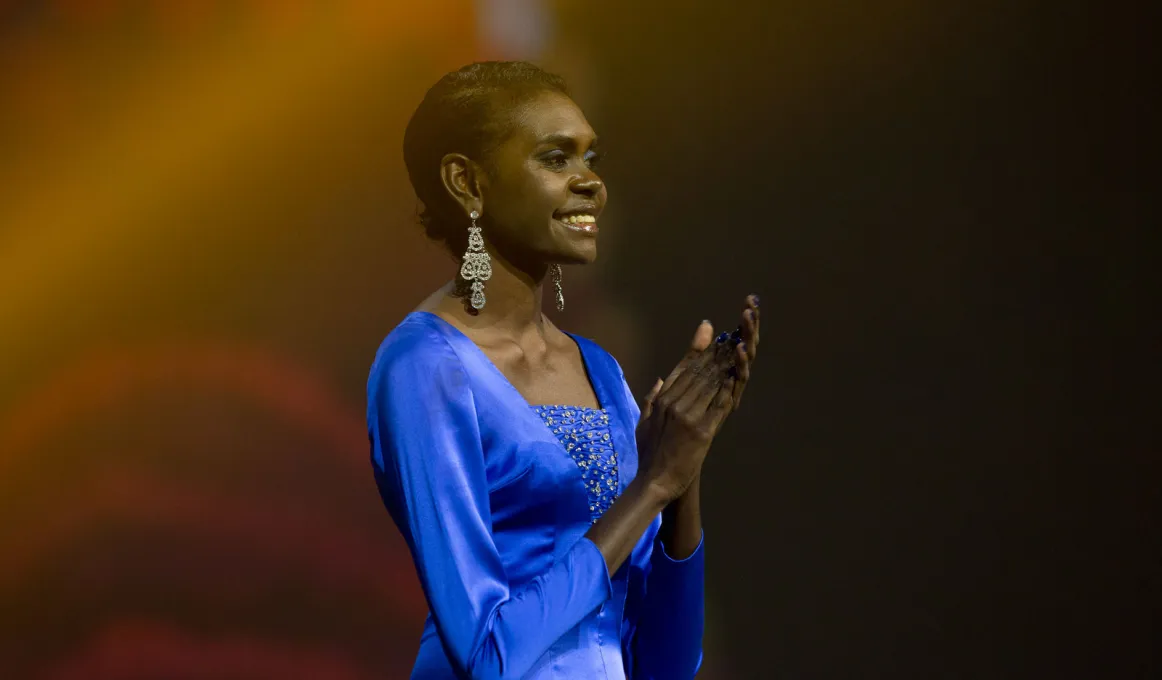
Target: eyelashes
559, 160
556, 160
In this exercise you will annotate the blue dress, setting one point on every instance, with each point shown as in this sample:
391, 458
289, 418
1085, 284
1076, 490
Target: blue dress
494, 497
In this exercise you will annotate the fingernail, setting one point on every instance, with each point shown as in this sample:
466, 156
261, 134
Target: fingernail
756, 300
736, 335
723, 337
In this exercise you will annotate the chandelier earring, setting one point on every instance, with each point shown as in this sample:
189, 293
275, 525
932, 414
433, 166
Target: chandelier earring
477, 265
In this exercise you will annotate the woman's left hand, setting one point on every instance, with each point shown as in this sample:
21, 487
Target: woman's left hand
748, 346
747, 339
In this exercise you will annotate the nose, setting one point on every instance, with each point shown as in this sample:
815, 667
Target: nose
588, 184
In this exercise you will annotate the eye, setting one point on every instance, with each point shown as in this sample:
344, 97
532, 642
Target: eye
556, 159
592, 158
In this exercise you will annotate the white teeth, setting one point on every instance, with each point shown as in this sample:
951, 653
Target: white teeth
579, 219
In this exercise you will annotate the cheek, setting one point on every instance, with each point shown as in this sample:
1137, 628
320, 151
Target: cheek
524, 199
541, 194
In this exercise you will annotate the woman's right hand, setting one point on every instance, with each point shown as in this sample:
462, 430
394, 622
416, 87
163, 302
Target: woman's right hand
684, 412
679, 420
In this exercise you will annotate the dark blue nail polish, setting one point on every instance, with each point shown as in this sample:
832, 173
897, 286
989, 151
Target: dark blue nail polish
736, 335
722, 337
756, 300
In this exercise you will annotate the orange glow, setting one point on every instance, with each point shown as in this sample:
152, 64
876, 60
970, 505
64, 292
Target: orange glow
96, 161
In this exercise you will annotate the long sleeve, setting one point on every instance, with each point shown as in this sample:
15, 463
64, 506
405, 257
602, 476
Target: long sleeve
668, 637
430, 468
665, 605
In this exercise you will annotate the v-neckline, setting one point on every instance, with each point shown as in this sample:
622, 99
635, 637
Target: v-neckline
595, 383
623, 445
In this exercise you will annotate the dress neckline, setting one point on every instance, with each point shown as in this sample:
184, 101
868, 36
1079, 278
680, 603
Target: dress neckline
595, 383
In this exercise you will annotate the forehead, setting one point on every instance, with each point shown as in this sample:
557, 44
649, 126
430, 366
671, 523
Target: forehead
549, 114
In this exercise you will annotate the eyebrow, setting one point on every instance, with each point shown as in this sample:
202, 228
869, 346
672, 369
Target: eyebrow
565, 140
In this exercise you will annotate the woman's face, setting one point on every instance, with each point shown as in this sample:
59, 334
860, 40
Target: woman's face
540, 197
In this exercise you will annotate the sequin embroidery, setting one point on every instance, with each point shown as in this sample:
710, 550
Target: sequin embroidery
584, 432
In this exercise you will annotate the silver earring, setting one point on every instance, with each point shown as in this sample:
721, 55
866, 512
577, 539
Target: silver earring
556, 272
477, 266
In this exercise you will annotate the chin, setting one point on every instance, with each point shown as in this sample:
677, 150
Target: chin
578, 255
571, 245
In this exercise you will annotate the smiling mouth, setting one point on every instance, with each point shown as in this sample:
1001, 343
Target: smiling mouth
582, 223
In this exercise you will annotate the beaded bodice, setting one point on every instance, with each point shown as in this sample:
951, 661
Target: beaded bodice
584, 433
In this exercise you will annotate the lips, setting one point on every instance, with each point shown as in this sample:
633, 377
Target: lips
585, 223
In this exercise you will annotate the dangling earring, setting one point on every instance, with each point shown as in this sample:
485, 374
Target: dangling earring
477, 266
556, 272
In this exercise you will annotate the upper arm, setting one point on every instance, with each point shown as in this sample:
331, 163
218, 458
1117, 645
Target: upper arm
430, 468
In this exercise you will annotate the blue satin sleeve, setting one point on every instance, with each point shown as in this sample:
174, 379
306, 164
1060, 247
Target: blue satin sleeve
667, 617
431, 470
667, 642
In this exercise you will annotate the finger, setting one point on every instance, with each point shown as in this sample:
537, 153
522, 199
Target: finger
717, 368
750, 333
648, 403
750, 323
700, 396
702, 336
693, 377
720, 407
742, 370
725, 352
742, 363
752, 305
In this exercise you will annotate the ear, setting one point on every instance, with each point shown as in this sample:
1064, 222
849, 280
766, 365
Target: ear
463, 180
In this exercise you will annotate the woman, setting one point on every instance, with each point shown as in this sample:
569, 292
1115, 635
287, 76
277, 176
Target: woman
555, 535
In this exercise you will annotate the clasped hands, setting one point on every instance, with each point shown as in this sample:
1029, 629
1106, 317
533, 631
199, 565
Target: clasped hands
682, 414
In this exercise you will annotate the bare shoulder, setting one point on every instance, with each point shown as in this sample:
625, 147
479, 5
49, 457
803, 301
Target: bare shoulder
437, 302
445, 305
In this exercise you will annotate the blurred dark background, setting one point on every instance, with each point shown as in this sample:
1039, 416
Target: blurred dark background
942, 469
946, 466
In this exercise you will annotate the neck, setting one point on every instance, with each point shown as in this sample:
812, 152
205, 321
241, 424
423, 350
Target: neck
514, 297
